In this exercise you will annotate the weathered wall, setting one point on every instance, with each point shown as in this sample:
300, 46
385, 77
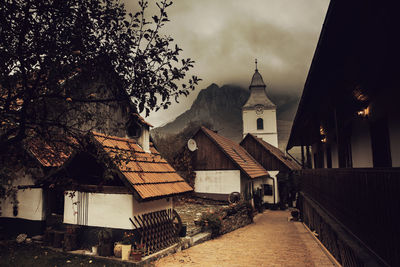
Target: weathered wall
30, 201
217, 182
202, 159
95, 209
108, 210
259, 153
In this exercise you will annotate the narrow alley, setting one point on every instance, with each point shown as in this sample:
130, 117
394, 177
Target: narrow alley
270, 241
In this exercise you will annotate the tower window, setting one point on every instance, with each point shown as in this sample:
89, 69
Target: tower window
260, 124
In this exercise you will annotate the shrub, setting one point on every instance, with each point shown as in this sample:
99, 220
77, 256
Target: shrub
212, 221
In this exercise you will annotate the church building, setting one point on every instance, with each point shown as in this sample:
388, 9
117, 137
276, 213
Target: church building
259, 113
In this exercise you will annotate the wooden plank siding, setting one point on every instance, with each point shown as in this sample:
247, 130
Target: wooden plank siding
264, 157
208, 156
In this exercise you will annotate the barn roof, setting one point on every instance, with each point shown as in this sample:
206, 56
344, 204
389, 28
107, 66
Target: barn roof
149, 174
275, 152
237, 154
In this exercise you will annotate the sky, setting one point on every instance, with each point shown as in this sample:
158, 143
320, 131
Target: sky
224, 37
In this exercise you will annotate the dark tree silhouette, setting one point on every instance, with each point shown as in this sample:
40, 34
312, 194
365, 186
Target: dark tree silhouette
65, 66
49, 49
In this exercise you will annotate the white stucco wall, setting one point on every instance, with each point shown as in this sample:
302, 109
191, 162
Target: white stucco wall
30, 201
150, 206
394, 133
30, 205
269, 133
217, 182
109, 210
361, 149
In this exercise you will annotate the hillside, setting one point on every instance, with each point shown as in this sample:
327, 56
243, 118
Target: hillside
222, 107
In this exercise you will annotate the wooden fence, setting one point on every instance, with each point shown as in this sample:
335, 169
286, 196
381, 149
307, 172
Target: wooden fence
365, 201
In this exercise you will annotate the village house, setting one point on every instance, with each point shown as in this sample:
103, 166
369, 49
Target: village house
347, 125
219, 174
277, 164
114, 176
223, 166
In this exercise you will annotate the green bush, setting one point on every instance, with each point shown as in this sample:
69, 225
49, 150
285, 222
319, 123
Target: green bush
212, 221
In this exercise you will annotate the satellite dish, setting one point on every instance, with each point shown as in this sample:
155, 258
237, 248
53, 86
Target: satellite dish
192, 145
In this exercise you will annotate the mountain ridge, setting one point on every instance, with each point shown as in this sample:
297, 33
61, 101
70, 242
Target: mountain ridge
222, 108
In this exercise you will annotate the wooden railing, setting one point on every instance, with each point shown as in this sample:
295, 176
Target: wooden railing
365, 201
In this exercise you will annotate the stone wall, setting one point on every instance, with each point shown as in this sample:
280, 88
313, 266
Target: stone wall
227, 219
236, 217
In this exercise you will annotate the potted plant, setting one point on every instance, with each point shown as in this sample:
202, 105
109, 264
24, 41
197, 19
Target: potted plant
138, 252
126, 246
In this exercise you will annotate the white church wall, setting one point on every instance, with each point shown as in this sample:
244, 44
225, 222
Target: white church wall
269, 133
217, 182
361, 149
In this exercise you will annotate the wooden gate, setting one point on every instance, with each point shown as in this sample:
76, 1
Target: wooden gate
157, 229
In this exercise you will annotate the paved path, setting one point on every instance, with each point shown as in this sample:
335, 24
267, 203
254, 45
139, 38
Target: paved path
270, 241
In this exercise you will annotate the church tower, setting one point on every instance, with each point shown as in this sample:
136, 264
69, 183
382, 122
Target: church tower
259, 113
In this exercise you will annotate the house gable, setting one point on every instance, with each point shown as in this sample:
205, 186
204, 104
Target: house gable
208, 156
270, 157
233, 152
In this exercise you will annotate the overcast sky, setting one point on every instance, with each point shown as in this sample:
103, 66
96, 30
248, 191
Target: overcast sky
225, 36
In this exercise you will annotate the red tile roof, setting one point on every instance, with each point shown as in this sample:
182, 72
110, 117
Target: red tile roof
277, 153
149, 174
239, 156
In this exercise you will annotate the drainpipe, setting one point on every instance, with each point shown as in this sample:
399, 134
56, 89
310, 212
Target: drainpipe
273, 185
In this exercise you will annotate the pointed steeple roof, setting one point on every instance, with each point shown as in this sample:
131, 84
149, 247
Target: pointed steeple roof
257, 80
258, 96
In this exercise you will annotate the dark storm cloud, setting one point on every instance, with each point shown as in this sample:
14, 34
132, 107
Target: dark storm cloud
224, 38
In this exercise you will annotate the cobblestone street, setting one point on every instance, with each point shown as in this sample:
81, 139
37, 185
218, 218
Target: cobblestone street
270, 241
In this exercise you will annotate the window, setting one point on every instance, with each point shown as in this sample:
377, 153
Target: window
268, 190
260, 124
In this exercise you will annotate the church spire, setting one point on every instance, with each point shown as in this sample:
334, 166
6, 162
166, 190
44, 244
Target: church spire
256, 65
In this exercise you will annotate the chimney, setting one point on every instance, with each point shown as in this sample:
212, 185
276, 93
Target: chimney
144, 139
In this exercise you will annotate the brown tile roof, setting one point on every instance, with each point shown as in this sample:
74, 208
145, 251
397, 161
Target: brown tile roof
50, 154
237, 154
277, 153
149, 174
